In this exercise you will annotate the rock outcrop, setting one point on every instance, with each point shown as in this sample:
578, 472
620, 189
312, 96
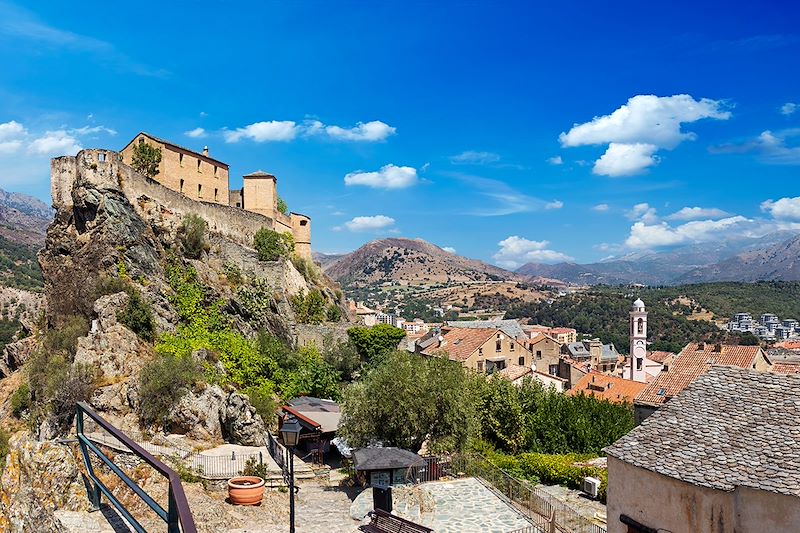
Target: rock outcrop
39, 478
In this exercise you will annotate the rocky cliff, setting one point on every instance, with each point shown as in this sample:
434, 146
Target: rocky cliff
118, 237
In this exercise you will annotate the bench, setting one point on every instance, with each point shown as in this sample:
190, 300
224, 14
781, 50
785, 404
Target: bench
383, 522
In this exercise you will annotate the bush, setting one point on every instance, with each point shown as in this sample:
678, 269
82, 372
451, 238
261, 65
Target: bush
21, 400
272, 245
192, 234
374, 341
309, 308
4, 438
64, 339
234, 274
307, 268
138, 316
262, 398
163, 382
254, 468
78, 387
334, 314
282, 206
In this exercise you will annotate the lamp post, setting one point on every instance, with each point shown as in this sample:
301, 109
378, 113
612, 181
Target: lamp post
290, 435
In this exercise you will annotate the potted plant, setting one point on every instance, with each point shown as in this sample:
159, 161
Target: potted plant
245, 490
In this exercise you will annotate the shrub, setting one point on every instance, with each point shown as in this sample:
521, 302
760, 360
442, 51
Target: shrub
256, 300
262, 398
272, 245
192, 235
110, 285
309, 308
282, 206
254, 468
138, 316
21, 400
64, 339
78, 387
163, 382
334, 314
4, 438
307, 268
145, 159
234, 274
374, 341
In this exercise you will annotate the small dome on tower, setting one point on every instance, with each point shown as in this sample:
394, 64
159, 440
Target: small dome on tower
638, 304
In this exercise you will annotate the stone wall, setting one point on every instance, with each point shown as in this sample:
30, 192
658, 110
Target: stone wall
104, 169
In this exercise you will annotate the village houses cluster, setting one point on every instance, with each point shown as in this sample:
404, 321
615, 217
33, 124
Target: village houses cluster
768, 327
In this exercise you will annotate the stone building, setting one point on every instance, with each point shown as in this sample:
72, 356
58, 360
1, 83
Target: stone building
204, 179
720, 457
480, 349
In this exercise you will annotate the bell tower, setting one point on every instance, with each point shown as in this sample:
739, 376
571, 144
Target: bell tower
638, 351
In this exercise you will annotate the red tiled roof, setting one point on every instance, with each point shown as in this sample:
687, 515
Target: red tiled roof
690, 364
786, 368
460, 343
514, 372
789, 345
659, 357
563, 330
607, 387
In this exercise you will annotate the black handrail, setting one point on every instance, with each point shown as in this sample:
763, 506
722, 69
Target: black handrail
178, 516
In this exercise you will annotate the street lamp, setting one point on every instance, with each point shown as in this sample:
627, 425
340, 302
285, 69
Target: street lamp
290, 435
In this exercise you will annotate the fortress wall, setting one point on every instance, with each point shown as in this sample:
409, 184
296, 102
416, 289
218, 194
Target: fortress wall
150, 198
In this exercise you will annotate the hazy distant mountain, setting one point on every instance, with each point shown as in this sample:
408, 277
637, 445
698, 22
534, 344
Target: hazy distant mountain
23, 219
778, 262
654, 268
413, 261
324, 259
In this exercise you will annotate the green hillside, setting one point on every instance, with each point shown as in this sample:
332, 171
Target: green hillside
19, 267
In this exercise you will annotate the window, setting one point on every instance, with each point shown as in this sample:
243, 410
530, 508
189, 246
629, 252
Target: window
101, 157
640, 325
511, 346
181, 185
180, 159
553, 370
141, 140
198, 165
522, 361
215, 194
538, 354
480, 351
638, 363
215, 171
199, 190
498, 346
480, 366
238, 204
303, 222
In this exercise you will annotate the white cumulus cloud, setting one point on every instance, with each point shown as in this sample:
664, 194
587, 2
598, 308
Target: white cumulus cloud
772, 147
645, 236
555, 204
449, 249
555, 160
639, 128
788, 208
58, 142
273, 130
695, 213
369, 223
600, 208
372, 131
642, 212
388, 177
196, 133
515, 251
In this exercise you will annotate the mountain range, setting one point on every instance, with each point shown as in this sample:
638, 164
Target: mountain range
775, 256
23, 219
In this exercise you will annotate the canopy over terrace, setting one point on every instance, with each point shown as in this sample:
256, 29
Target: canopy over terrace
319, 420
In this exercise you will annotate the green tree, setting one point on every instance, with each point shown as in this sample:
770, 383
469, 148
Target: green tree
162, 382
309, 308
406, 399
371, 342
145, 159
138, 316
192, 234
282, 207
342, 356
272, 245
314, 377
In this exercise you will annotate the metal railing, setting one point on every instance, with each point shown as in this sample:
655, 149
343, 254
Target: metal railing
177, 515
542, 509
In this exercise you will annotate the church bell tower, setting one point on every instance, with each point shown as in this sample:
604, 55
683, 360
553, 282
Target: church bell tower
638, 351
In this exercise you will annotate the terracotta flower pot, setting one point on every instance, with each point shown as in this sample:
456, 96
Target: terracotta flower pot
245, 490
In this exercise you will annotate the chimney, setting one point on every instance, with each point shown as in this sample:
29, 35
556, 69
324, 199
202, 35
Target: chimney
701, 346
205, 151
718, 348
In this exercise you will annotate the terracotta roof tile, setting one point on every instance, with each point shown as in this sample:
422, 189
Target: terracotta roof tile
691, 363
786, 368
659, 356
514, 372
460, 343
732, 427
609, 388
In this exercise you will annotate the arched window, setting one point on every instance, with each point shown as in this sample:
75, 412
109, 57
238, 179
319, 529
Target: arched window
640, 325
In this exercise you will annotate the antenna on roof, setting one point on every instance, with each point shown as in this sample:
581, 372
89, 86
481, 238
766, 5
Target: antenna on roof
205, 150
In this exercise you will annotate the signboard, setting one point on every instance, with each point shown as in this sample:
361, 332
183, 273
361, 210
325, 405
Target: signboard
379, 477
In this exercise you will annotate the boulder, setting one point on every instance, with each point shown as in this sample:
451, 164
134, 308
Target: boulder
16, 354
197, 415
39, 478
241, 424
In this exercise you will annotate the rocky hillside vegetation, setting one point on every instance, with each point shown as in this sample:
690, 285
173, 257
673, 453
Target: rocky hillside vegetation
163, 325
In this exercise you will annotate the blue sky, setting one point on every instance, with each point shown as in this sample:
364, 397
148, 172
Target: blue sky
509, 132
